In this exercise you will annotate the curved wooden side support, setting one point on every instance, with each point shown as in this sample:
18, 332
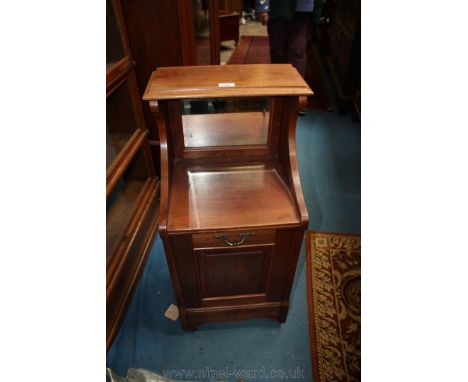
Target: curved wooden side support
164, 193
288, 156
296, 188
164, 207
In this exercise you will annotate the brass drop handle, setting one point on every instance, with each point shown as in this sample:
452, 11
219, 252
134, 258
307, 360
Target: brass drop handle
244, 237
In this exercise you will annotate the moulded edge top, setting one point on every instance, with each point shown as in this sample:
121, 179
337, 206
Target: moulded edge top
183, 82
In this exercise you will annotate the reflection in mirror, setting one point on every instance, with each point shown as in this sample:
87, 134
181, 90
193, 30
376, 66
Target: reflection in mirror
229, 18
226, 121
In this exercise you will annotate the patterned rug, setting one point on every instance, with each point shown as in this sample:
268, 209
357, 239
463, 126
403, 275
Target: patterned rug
334, 298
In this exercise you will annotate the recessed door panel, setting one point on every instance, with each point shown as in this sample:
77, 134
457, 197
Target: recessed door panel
235, 274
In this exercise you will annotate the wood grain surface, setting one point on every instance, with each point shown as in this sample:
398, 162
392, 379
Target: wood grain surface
203, 81
226, 196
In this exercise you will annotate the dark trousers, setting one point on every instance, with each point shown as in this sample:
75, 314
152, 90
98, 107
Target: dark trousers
288, 40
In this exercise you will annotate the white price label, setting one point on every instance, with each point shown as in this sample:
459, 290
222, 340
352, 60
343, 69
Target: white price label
226, 85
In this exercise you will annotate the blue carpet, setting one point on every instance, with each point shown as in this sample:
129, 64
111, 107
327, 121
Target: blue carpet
329, 163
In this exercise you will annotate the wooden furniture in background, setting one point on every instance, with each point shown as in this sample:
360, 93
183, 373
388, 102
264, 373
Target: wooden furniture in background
159, 34
314, 76
251, 50
131, 182
232, 5
232, 215
343, 48
228, 26
170, 33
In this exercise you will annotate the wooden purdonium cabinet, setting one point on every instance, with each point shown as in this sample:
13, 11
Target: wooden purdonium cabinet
232, 213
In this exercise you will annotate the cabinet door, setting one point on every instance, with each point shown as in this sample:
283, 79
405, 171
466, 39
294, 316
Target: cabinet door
212, 273
229, 276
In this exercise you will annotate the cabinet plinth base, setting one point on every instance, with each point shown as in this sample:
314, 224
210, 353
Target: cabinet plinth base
272, 311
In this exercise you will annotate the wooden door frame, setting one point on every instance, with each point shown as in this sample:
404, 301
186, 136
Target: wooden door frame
187, 35
214, 32
189, 54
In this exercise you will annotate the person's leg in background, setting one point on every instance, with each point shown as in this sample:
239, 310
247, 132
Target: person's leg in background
278, 39
298, 36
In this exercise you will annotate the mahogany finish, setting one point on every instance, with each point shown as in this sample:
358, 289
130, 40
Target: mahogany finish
232, 213
203, 82
131, 182
251, 194
160, 33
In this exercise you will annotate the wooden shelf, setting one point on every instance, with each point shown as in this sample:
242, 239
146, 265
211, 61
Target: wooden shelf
242, 81
123, 158
116, 73
115, 143
119, 212
226, 129
222, 196
122, 129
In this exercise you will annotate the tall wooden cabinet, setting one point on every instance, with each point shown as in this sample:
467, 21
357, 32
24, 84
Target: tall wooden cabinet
343, 50
232, 215
131, 182
171, 33
159, 34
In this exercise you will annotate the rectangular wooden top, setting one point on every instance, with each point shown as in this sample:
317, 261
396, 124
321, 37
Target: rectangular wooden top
225, 81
